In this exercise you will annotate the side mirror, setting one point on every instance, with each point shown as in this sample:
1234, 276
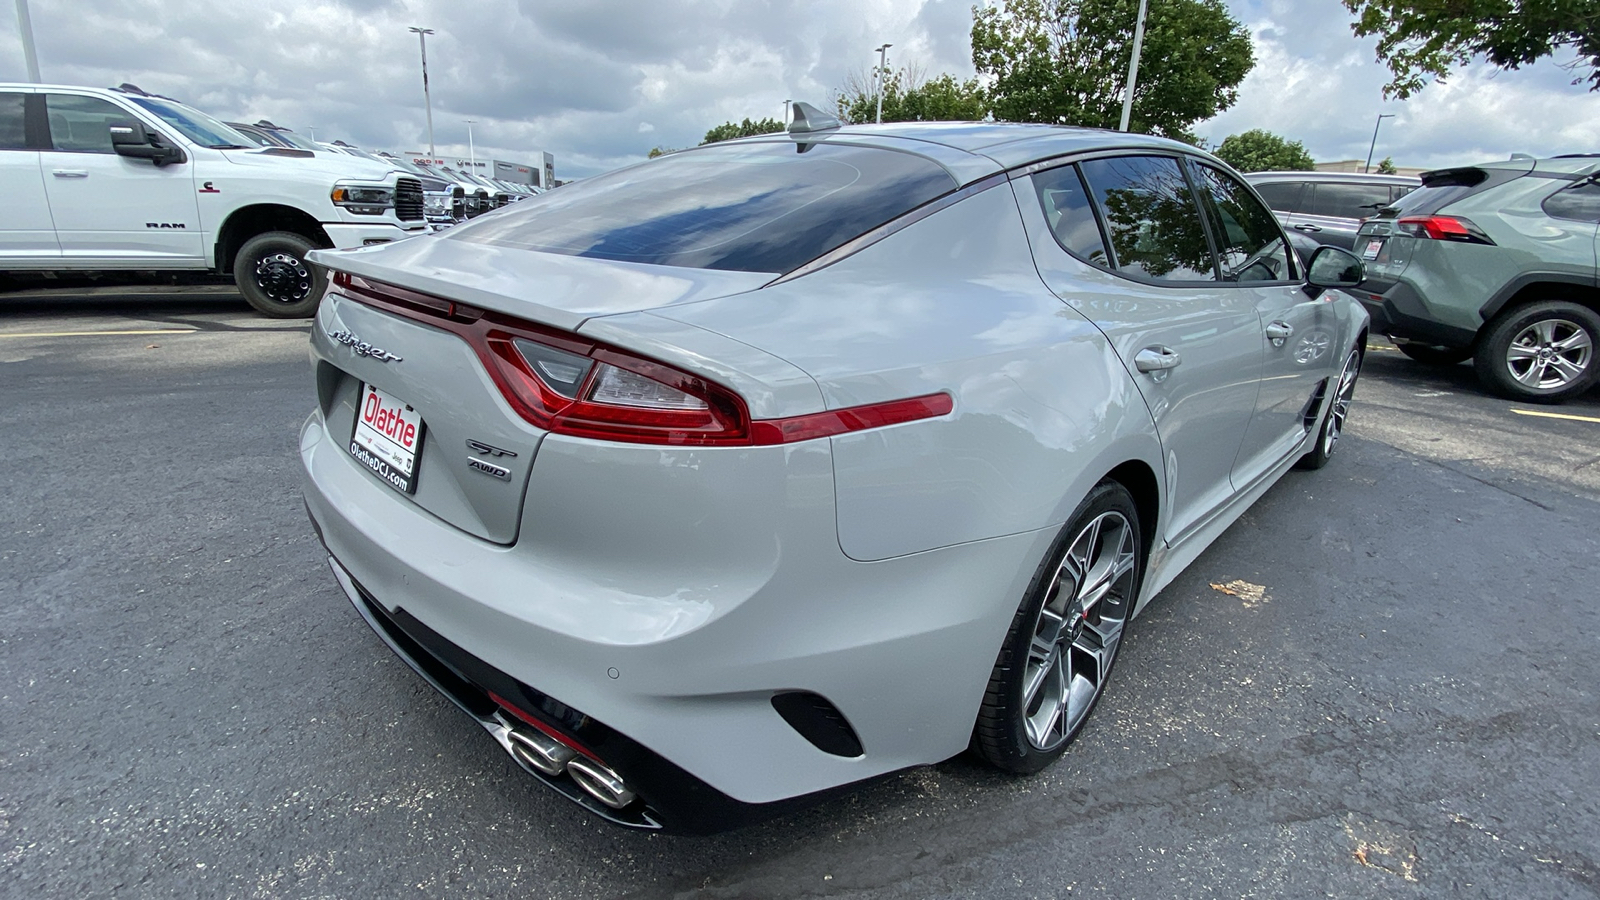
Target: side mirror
1332, 267
132, 140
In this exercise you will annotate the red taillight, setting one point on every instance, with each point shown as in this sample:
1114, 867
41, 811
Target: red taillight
1443, 228
569, 385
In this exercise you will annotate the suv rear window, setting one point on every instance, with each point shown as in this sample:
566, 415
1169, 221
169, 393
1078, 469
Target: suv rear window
1348, 201
757, 207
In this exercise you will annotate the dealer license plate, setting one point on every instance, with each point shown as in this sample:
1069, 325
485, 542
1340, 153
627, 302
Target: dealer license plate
1374, 247
388, 438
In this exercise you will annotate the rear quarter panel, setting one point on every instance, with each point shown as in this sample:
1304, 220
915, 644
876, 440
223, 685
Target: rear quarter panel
1043, 407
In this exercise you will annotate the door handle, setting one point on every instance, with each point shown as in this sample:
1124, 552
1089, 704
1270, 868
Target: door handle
1157, 361
70, 173
1308, 228
1278, 332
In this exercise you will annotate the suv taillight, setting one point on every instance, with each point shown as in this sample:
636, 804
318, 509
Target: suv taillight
1443, 228
567, 384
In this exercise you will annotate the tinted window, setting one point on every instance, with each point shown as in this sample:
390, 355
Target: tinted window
1284, 195
1250, 246
1151, 217
1396, 191
193, 124
760, 207
13, 133
1579, 201
1348, 201
83, 124
1070, 213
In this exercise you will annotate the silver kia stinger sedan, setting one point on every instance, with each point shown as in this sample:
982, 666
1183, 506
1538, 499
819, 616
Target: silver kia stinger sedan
728, 479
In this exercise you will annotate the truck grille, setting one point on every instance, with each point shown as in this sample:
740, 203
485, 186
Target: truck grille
408, 200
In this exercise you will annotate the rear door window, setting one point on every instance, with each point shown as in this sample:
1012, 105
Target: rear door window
1250, 245
13, 124
1151, 217
769, 206
1348, 201
1282, 195
1070, 212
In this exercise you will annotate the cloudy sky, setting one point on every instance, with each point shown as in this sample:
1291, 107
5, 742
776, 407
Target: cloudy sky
599, 82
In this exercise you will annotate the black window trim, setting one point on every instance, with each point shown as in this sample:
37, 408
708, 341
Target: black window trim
1544, 205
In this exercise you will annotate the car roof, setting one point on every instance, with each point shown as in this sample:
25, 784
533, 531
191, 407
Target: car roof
974, 150
1336, 177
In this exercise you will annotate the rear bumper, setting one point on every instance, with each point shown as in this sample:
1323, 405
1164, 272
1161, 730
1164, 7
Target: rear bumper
1397, 310
654, 603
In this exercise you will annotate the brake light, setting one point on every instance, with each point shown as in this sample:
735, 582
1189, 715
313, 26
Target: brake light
1443, 228
569, 385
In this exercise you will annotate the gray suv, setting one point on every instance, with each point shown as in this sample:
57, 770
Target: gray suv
1328, 207
1495, 263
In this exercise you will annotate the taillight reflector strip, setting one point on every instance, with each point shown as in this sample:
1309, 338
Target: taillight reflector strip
676, 409
856, 418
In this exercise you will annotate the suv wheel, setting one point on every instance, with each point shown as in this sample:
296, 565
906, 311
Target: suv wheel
1543, 352
273, 275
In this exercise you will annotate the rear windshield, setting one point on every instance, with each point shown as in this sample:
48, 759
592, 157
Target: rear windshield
756, 207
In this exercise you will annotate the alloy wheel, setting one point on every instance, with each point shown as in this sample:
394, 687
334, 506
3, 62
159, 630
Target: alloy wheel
1078, 630
1342, 396
1549, 354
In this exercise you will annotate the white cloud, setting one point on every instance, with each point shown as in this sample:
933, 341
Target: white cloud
598, 83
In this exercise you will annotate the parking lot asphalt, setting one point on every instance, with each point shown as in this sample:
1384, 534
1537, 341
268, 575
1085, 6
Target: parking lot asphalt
1381, 682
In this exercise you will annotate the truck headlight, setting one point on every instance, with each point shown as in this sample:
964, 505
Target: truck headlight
362, 199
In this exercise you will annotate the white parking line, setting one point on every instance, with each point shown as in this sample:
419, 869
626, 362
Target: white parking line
1551, 415
49, 334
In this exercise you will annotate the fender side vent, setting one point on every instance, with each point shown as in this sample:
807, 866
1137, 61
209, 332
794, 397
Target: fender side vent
1313, 407
818, 721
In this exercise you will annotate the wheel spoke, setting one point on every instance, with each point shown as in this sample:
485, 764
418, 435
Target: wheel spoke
1567, 370
1546, 331
1578, 340
1533, 375
1518, 352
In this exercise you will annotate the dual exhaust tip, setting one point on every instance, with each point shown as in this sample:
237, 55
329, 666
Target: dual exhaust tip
545, 754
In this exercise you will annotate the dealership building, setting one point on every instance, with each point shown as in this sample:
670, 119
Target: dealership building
539, 173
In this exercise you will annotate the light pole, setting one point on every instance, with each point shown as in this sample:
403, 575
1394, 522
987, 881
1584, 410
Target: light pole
25, 28
1368, 166
883, 69
427, 99
472, 151
1133, 68
786, 111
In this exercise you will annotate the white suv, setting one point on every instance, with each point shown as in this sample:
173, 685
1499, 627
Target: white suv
100, 180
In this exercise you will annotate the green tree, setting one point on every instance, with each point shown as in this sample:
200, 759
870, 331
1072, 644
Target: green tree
727, 131
1419, 41
1258, 150
1387, 167
1066, 61
909, 98
661, 151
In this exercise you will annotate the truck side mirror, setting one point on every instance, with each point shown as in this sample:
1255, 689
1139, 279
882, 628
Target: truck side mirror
132, 140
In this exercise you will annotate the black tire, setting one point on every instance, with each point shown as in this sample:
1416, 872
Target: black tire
274, 277
1543, 352
1008, 733
1342, 391
1433, 354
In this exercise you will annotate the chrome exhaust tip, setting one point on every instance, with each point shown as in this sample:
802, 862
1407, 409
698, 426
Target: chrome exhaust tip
600, 782
539, 751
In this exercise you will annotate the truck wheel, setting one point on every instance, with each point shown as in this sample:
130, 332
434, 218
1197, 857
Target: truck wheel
1543, 352
273, 275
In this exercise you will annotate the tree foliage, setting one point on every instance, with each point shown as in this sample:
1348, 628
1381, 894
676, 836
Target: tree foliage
1066, 61
908, 97
727, 131
1258, 150
1420, 41
1387, 167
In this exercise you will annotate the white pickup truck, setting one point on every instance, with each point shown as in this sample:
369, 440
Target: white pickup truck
116, 179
